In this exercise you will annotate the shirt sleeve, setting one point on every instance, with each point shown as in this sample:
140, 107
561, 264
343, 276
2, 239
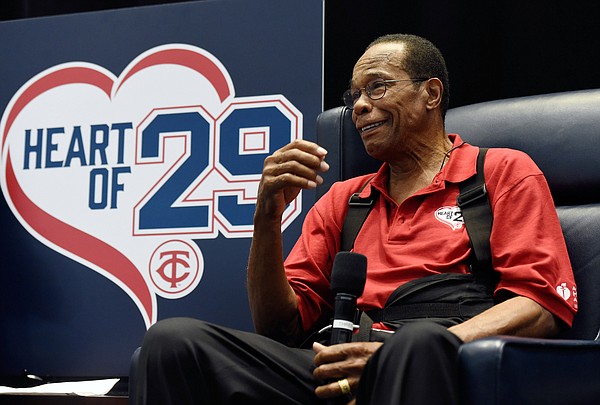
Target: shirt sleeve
308, 265
528, 247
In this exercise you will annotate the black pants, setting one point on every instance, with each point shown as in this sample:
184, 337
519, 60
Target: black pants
186, 361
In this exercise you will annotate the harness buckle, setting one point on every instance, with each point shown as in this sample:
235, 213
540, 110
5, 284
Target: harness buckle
357, 201
471, 196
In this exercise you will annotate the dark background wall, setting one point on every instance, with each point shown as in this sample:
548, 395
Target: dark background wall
494, 49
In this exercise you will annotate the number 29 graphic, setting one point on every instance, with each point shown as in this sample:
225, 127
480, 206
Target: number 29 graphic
211, 184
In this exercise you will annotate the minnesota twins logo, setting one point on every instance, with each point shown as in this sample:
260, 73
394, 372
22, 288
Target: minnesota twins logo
152, 161
175, 268
174, 259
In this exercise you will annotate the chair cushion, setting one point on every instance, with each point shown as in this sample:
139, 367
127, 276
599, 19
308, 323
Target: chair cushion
559, 131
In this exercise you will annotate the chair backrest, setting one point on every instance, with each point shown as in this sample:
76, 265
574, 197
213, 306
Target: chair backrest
561, 132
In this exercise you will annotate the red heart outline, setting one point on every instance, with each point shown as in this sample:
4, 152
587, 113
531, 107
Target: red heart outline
65, 236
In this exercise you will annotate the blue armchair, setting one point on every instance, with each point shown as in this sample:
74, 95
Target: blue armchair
561, 132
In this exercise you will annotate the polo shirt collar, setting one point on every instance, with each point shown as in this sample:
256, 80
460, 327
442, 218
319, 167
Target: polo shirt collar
462, 162
461, 165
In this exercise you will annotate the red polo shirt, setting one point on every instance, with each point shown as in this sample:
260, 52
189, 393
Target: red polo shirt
425, 235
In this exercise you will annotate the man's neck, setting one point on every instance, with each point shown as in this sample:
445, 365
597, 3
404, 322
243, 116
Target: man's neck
416, 168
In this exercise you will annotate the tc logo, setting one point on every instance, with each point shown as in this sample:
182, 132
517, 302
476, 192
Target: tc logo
175, 268
123, 173
173, 262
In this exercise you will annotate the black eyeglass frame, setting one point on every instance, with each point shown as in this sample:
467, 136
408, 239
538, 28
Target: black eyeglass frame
350, 97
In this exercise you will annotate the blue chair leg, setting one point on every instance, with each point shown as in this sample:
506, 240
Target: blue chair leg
133, 376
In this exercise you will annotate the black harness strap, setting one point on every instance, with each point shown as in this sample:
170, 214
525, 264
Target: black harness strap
477, 215
414, 311
358, 210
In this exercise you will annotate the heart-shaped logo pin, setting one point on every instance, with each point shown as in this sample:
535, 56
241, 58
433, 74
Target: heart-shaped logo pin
123, 173
451, 216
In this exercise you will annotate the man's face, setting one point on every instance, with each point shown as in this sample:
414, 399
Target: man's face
391, 123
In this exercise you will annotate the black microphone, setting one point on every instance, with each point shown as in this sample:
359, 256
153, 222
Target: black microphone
348, 277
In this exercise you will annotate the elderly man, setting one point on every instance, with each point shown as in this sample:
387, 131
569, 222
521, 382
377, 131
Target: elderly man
399, 97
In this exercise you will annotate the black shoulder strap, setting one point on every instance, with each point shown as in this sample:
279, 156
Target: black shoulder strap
478, 218
472, 200
477, 215
358, 210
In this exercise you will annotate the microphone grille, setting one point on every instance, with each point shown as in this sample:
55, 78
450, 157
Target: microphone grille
349, 273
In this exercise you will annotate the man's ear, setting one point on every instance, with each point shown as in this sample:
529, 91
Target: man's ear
435, 89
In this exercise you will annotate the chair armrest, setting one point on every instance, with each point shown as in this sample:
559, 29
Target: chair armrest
512, 370
133, 373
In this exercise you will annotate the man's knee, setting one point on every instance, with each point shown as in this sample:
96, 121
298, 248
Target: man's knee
422, 336
173, 337
166, 331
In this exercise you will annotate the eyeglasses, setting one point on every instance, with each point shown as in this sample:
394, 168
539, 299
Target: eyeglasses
375, 90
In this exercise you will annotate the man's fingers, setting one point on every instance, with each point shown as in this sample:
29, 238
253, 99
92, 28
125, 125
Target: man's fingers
284, 171
337, 388
306, 146
309, 159
294, 167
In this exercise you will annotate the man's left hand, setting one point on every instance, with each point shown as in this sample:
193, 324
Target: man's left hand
338, 362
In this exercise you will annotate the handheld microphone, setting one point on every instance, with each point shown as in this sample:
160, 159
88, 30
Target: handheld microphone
348, 277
